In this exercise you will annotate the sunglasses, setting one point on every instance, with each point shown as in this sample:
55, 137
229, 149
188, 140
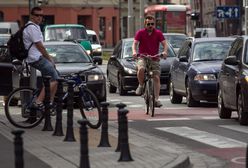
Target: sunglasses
150, 24
37, 15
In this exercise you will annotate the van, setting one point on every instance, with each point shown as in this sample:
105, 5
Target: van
68, 32
96, 46
205, 32
8, 27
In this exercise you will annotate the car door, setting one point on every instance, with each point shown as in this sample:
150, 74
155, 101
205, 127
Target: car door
6, 72
183, 66
230, 73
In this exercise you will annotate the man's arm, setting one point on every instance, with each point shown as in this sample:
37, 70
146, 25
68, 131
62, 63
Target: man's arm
43, 51
134, 48
165, 52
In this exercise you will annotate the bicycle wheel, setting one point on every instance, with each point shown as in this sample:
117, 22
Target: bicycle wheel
90, 108
151, 97
146, 96
18, 111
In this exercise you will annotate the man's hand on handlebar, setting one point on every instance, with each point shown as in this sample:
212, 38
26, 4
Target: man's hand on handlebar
164, 55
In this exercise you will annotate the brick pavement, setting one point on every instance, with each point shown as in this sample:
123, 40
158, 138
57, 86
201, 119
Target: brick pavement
147, 151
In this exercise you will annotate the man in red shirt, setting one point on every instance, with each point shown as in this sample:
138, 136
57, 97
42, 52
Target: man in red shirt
146, 41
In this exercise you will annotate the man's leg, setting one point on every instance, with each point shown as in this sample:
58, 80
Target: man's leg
53, 89
140, 76
156, 86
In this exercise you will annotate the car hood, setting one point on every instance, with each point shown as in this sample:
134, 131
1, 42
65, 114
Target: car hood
207, 66
164, 64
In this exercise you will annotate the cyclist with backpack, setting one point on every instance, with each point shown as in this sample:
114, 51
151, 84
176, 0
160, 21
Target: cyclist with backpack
38, 57
148, 40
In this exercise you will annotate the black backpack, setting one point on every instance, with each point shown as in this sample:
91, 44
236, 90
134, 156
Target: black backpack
16, 45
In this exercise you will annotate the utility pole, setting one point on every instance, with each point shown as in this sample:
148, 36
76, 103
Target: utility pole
246, 16
142, 5
130, 32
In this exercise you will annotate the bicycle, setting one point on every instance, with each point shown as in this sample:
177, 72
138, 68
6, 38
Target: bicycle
148, 89
19, 101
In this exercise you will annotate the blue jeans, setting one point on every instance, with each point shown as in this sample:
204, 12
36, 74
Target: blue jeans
46, 68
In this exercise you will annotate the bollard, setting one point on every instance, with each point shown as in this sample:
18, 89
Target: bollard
246, 159
47, 115
18, 147
84, 149
119, 106
59, 108
104, 142
70, 99
124, 146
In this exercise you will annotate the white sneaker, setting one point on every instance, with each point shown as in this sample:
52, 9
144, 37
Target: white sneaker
139, 90
158, 103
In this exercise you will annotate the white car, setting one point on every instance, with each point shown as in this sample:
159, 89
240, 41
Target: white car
96, 46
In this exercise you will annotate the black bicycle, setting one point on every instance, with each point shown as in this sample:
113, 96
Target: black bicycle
148, 91
19, 101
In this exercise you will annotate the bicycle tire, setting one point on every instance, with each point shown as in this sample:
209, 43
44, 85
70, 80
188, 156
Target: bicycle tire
151, 97
90, 108
146, 97
16, 112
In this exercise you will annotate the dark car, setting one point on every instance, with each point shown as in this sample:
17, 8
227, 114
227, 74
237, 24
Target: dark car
121, 68
233, 82
194, 72
69, 57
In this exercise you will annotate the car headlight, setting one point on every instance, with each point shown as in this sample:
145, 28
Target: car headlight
88, 52
95, 77
246, 79
204, 77
99, 49
129, 70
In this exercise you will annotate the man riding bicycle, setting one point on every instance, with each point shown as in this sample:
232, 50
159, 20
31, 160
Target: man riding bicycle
147, 42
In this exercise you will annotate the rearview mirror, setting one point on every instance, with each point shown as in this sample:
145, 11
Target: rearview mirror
231, 60
183, 59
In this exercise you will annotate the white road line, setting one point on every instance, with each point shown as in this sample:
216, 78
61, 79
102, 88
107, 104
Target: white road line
210, 117
204, 137
167, 119
238, 128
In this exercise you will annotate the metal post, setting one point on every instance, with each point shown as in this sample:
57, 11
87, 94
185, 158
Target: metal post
142, 14
130, 19
246, 16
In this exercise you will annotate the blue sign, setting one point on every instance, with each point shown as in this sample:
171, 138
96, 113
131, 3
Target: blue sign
227, 12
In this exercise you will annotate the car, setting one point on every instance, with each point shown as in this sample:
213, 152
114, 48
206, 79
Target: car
233, 82
69, 57
68, 32
175, 39
121, 68
96, 46
194, 72
4, 38
8, 28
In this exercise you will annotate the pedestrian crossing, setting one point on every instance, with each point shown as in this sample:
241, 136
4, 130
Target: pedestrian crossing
207, 138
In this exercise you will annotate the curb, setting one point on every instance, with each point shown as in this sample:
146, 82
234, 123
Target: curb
182, 161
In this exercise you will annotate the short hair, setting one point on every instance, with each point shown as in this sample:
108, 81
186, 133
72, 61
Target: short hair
35, 9
148, 17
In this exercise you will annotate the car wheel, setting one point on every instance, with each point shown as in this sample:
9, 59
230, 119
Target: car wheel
223, 112
189, 99
174, 97
243, 116
112, 89
100, 62
120, 86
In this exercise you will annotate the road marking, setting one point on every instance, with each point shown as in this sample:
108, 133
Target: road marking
167, 119
204, 137
211, 118
238, 128
239, 160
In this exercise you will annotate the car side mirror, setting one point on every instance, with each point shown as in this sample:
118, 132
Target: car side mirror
231, 60
113, 57
183, 59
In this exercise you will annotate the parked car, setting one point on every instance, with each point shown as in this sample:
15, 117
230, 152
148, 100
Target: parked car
96, 46
175, 39
121, 68
9, 28
4, 38
233, 82
194, 72
69, 57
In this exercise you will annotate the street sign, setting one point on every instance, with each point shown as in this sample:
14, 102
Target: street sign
227, 12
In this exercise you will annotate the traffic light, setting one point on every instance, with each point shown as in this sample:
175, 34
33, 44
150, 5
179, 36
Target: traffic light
194, 16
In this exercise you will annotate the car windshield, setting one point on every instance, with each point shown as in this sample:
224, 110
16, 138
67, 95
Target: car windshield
175, 40
212, 50
93, 39
65, 33
68, 54
127, 51
4, 40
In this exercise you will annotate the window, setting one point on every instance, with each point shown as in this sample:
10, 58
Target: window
102, 28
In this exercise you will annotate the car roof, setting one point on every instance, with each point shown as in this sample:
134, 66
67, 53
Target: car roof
64, 25
175, 34
60, 43
90, 32
213, 39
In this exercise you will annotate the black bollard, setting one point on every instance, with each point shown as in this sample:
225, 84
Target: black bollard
84, 149
70, 99
18, 142
124, 145
59, 108
104, 142
246, 159
47, 115
119, 106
